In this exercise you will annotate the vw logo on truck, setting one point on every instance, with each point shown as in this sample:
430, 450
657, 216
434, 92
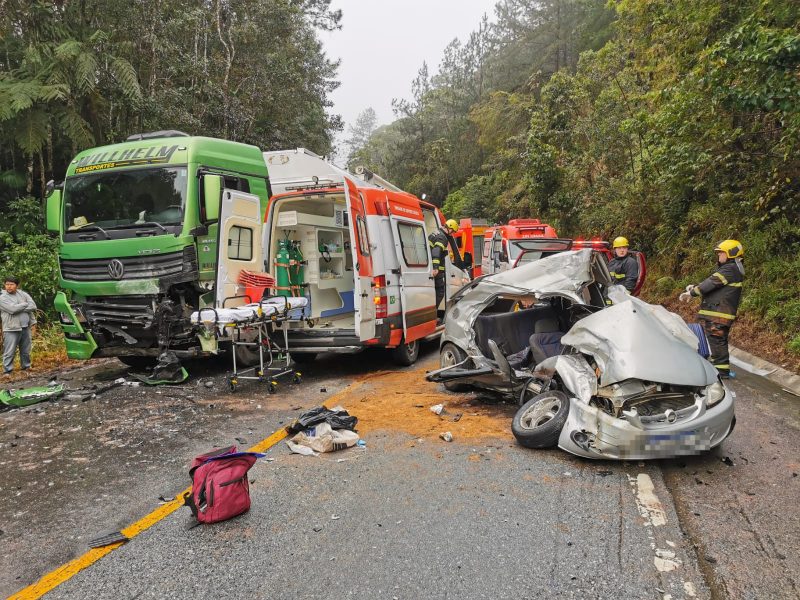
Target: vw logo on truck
116, 269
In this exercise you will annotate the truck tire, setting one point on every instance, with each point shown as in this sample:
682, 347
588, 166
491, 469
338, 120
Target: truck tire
450, 354
246, 356
304, 357
140, 363
406, 354
539, 421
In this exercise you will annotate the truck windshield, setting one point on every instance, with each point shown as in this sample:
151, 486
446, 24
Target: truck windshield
125, 199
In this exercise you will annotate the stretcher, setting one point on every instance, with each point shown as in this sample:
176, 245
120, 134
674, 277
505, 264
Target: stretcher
256, 325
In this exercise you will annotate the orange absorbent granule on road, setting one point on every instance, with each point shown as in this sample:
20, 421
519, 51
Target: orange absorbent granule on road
401, 401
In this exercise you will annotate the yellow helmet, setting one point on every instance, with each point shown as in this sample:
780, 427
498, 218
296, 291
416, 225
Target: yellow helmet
731, 248
620, 242
452, 224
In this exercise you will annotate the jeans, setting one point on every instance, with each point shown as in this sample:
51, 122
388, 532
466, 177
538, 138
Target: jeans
13, 340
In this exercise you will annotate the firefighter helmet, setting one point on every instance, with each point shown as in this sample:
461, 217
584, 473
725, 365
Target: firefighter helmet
452, 224
621, 242
731, 248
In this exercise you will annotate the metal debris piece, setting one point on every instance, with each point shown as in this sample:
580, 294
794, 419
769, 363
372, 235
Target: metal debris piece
108, 539
437, 409
446, 436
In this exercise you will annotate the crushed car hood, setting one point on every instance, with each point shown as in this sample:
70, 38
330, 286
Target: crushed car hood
634, 339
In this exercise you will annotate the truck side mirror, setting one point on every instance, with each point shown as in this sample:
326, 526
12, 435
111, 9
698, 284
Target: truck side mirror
53, 211
212, 195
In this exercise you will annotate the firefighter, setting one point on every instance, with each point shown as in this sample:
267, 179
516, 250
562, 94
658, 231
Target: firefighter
439, 241
721, 293
624, 267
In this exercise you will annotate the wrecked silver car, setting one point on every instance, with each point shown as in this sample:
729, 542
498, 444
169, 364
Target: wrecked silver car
598, 372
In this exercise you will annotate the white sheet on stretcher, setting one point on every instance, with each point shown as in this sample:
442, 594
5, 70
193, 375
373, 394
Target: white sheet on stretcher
249, 312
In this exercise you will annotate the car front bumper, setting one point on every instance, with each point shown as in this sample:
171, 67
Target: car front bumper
592, 433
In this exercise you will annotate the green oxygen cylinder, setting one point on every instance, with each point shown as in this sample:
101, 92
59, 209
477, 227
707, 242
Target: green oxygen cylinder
283, 282
296, 275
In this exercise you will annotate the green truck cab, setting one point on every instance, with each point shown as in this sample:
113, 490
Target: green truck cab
137, 224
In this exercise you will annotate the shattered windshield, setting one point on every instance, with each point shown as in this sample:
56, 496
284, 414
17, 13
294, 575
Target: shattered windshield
125, 199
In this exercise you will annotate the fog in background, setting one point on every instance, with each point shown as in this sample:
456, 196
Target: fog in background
382, 45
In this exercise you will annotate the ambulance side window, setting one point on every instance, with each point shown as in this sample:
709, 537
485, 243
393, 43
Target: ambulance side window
414, 244
363, 238
240, 243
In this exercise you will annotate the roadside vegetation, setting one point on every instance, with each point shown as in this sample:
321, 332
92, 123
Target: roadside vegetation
676, 124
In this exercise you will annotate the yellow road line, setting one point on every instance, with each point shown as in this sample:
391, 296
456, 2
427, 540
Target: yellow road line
65, 572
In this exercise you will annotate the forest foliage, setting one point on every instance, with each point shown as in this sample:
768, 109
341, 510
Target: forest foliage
81, 73
675, 123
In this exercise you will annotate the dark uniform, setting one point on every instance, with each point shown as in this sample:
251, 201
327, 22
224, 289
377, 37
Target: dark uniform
438, 241
721, 293
624, 271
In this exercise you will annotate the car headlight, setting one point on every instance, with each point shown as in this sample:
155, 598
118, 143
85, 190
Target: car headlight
715, 393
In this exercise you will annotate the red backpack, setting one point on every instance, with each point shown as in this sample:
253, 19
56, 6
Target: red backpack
220, 489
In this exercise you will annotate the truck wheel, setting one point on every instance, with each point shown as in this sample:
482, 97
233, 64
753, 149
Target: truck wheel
449, 355
406, 353
246, 356
142, 363
539, 421
304, 357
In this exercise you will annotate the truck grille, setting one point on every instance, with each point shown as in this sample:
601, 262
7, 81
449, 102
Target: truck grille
154, 266
126, 311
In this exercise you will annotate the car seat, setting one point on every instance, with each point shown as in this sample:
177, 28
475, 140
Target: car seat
546, 341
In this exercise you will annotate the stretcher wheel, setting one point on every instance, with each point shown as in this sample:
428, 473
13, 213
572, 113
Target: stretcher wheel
232, 383
297, 377
273, 387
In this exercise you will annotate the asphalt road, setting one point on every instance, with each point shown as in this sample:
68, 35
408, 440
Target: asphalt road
410, 516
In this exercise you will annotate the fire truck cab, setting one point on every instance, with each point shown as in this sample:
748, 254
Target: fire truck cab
499, 251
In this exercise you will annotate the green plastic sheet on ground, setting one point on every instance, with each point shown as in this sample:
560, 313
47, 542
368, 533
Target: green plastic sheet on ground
32, 395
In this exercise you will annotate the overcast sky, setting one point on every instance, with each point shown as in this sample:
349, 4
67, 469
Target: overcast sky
383, 43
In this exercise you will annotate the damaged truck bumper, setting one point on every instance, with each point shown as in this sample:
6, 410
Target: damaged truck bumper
592, 433
79, 343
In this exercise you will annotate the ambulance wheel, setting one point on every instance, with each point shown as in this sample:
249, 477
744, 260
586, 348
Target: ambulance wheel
139, 362
304, 357
452, 355
406, 353
246, 356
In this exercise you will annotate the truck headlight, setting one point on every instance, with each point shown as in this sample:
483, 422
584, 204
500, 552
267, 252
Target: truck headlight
715, 393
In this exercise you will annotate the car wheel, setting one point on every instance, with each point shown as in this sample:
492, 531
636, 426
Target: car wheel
406, 353
144, 363
450, 355
539, 421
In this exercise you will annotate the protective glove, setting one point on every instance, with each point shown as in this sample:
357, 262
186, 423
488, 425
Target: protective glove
685, 297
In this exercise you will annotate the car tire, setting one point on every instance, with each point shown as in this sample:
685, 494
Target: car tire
538, 423
450, 354
406, 354
141, 363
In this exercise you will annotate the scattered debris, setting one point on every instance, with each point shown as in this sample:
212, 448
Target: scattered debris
337, 418
29, 396
323, 390
457, 418
727, 460
335, 517
446, 436
168, 370
164, 500
605, 473
437, 409
323, 438
108, 539
298, 449
209, 383
363, 444
318, 528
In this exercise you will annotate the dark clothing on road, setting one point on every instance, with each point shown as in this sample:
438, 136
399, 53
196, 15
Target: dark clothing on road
625, 271
721, 293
